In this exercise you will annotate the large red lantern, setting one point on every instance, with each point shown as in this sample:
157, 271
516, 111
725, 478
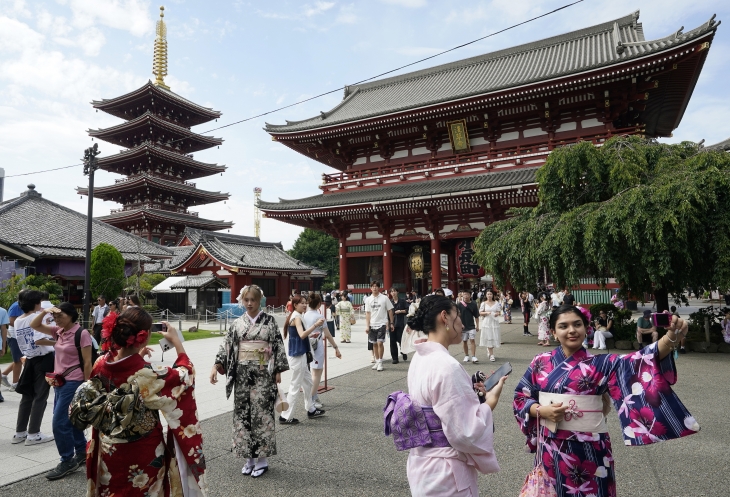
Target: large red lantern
464, 260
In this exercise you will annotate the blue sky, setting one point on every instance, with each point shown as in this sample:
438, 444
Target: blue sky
244, 58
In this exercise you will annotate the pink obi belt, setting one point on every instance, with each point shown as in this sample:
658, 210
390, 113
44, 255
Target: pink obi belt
411, 424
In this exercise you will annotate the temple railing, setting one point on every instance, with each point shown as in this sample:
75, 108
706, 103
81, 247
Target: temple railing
161, 207
517, 155
156, 175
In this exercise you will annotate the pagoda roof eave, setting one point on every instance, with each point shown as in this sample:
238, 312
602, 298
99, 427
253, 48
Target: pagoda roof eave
161, 215
162, 184
145, 120
148, 149
150, 89
609, 44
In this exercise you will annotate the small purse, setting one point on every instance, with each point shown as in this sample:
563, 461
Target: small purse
538, 483
352, 320
59, 380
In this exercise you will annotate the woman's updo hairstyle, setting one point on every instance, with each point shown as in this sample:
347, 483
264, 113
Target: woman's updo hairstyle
129, 323
566, 309
314, 301
430, 307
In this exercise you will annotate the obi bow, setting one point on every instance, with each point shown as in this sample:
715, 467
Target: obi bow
411, 424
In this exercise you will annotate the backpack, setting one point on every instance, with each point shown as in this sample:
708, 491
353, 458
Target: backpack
94, 351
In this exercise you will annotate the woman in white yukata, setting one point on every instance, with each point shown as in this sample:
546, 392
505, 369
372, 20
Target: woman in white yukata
453, 441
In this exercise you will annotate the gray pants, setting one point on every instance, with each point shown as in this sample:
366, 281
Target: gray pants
32, 407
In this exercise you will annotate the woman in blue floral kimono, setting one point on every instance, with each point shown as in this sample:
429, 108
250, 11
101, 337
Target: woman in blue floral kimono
570, 390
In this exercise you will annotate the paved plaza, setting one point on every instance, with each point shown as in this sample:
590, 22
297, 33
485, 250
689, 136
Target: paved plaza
345, 453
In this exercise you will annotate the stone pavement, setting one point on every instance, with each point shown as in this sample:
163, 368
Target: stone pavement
345, 453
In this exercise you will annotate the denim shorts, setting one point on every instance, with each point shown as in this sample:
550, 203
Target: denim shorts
14, 349
468, 335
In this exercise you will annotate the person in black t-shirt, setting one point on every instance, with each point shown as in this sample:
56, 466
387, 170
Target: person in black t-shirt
568, 298
400, 311
470, 318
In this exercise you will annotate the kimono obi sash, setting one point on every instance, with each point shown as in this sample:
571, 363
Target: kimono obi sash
584, 414
411, 424
254, 350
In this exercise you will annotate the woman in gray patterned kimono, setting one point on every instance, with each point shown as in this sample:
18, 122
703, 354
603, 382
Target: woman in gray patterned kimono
253, 358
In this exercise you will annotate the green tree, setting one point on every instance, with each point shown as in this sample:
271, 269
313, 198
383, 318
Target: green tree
107, 271
318, 249
9, 292
653, 216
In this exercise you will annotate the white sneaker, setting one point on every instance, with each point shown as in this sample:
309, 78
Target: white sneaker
318, 404
466, 358
375, 366
18, 439
380, 365
4, 381
491, 358
474, 359
38, 438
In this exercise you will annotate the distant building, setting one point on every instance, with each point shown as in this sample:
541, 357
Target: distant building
240, 261
47, 238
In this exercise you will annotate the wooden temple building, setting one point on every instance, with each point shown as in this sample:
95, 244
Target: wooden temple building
425, 160
239, 261
156, 191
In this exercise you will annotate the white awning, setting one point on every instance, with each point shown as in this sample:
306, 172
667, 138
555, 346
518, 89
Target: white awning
164, 287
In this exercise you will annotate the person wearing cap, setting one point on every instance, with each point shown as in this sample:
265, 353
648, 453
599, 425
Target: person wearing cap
644, 326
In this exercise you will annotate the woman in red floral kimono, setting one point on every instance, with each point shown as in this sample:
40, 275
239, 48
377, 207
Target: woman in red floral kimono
129, 454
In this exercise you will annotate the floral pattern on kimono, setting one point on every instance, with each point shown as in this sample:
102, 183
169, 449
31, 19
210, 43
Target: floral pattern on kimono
345, 310
254, 421
581, 463
138, 459
543, 325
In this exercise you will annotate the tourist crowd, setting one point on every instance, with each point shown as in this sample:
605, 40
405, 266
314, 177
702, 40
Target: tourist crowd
560, 403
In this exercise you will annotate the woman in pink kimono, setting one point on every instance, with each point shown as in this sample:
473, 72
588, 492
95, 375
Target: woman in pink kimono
449, 433
570, 390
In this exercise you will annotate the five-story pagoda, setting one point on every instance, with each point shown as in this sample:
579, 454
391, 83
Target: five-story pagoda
158, 161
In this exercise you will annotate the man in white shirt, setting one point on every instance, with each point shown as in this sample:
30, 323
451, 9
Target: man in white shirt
378, 320
98, 315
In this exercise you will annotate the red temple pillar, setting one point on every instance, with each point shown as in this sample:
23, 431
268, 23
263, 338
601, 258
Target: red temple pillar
435, 262
453, 276
387, 266
236, 283
343, 263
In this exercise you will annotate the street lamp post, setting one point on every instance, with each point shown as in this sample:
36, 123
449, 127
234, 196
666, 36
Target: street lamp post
90, 165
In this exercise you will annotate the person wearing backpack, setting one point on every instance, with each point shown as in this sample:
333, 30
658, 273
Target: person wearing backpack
72, 366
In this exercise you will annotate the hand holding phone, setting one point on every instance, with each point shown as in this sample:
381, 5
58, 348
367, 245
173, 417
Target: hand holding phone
504, 370
171, 337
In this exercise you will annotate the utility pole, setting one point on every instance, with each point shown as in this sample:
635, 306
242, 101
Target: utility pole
256, 212
90, 166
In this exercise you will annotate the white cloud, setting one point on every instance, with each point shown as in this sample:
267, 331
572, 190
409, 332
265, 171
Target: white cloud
128, 15
347, 15
317, 8
407, 3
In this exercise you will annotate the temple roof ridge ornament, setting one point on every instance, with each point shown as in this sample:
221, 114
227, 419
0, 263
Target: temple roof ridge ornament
159, 57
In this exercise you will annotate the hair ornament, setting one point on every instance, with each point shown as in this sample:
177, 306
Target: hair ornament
107, 327
139, 339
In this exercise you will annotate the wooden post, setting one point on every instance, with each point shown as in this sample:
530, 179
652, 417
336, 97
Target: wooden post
325, 388
707, 329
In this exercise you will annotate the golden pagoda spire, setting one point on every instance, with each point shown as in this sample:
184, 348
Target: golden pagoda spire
159, 58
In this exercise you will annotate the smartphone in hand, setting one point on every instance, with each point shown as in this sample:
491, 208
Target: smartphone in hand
504, 370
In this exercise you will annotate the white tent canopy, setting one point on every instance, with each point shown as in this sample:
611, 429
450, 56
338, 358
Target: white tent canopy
164, 287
